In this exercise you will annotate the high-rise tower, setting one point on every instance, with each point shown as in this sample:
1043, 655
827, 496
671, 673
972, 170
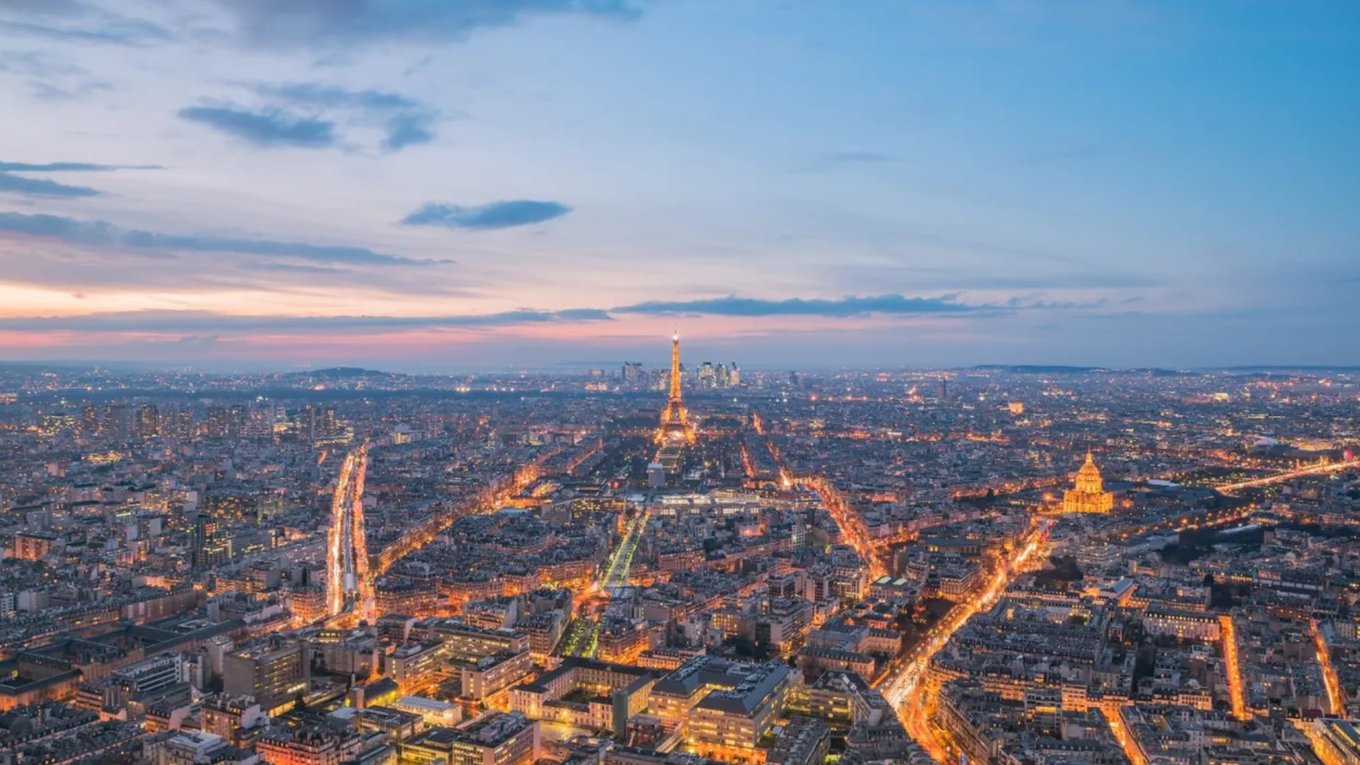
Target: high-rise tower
349, 586
675, 425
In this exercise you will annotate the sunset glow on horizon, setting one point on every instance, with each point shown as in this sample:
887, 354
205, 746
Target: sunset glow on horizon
421, 186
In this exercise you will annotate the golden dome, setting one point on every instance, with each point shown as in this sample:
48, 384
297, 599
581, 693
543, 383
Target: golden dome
1088, 477
1089, 495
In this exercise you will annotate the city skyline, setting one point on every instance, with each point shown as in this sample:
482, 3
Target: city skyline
449, 186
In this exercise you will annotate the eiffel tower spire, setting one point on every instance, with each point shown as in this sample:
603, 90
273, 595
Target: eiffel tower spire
675, 394
675, 425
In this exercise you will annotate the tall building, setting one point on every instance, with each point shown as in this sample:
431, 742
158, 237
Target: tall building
1089, 495
148, 421
209, 546
708, 375
675, 424
275, 672
349, 585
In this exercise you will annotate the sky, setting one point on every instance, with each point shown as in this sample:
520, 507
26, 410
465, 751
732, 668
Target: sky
453, 185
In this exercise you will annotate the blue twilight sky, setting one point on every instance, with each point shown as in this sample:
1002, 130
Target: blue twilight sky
460, 184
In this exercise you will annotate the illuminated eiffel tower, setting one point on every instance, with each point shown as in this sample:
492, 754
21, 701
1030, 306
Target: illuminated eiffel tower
349, 585
675, 424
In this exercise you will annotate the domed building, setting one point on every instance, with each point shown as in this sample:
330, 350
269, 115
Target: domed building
1089, 495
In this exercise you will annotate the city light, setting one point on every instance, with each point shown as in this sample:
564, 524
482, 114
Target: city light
1017, 420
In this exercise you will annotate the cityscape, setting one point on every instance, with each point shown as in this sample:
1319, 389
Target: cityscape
681, 563
679, 382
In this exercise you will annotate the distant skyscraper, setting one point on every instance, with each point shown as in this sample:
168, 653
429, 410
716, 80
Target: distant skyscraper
708, 377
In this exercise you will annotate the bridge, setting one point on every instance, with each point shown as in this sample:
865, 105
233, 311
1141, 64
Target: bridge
1319, 468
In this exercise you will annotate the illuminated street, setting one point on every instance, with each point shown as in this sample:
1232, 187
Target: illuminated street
1236, 685
621, 562
851, 525
583, 634
1121, 734
906, 689
1335, 696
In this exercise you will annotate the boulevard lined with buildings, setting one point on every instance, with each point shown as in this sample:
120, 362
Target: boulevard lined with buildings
994, 565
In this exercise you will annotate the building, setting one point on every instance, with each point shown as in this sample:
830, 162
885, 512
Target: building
210, 546
723, 707
623, 640
486, 677
467, 640
842, 700
586, 693
193, 748
413, 665
307, 744
148, 675
493, 739
1089, 495
1337, 741
230, 717
1182, 624
275, 672
544, 630
814, 660
804, 741
432, 711
33, 545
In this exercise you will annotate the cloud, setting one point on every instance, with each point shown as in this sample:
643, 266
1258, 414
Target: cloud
212, 323
103, 234
40, 6
105, 29
503, 214
316, 94
406, 121
60, 167
333, 23
968, 276
51, 77
408, 130
269, 127
40, 187
838, 308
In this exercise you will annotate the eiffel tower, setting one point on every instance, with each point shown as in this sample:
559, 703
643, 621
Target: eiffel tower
675, 424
